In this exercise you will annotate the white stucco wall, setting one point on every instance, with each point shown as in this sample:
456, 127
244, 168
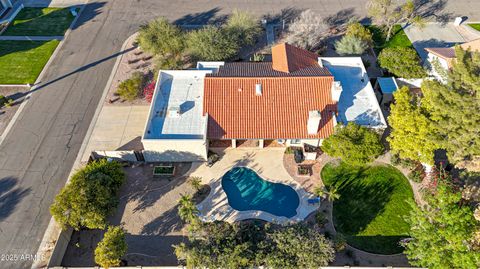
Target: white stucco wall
175, 150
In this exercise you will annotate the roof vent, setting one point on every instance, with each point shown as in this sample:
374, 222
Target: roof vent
174, 112
313, 122
258, 89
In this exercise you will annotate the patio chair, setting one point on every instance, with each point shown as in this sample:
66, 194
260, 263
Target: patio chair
314, 201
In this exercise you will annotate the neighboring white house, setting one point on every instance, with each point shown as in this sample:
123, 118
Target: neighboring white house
439, 60
294, 100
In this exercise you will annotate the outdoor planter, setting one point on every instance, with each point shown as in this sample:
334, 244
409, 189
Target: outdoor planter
304, 171
164, 170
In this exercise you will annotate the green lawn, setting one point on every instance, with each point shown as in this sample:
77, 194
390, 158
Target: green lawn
372, 205
475, 26
398, 38
40, 22
22, 61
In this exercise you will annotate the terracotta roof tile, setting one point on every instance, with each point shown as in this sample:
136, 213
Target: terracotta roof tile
287, 58
264, 69
281, 112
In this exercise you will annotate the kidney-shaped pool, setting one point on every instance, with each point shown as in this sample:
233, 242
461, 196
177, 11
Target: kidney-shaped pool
246, 190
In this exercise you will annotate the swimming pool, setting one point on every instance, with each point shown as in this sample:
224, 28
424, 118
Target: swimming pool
246, 190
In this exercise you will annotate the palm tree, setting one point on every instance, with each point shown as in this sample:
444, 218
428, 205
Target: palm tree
187, 209
196, 183
332, 193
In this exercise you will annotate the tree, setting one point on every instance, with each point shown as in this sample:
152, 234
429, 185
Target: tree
187, 209
130, 89
307, 30
402, 62
332, 193
442, 232
350, 45
355, 144
212, 44
243, 26
90, 197
161, 38
389, 13
413, 134
296, 246
112, 248
196, 183
454, 106
356, 29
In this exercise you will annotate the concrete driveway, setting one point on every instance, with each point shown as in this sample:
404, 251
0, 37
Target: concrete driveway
433, 35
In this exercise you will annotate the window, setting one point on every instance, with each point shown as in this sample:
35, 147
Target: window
295, 141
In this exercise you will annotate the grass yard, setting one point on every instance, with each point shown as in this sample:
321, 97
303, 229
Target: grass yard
22, 61
475, 26
372, 205
40, 22
398, 39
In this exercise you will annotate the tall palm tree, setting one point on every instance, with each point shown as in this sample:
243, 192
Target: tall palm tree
187, 209
332, 193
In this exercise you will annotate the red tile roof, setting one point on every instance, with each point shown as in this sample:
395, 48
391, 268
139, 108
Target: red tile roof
264, 69
281, 112
287, 58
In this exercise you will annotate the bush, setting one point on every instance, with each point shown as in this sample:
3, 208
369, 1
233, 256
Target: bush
90, 197
339, 243
320, 219
356, 145
402, 62
212, 44
356, 29
307, 31
351, 45
417, 175
112, 248
160, 37
130, 89
244, 27
148, 91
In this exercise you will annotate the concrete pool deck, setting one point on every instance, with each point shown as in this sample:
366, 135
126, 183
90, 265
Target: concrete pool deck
268, 164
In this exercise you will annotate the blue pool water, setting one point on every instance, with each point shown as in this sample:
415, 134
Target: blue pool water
248, 191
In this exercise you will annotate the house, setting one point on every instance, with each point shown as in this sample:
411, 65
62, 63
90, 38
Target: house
296, 99
439, 60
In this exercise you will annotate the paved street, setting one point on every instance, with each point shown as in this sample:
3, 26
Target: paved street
39, 151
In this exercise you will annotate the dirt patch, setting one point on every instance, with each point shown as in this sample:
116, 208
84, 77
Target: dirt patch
17, 94
132, 60
148, 212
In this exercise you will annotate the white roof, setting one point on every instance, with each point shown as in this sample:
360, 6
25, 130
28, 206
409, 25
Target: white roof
358, 102
177, 91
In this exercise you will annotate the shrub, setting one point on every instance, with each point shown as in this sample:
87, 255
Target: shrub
355, 144
257, 57
112, 248
148, 91
160, 37
130, 89
244, 27
402, 62
339, 243
351, 45
417, 175
212, 44
320, 219
356, 29
307, 30
90, 197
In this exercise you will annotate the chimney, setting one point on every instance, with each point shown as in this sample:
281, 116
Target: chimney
336, 90
258, 89
313, 122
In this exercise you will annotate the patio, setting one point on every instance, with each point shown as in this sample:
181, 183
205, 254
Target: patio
268, 163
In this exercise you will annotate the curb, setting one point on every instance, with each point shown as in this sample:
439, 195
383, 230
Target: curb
53, 231
40, 77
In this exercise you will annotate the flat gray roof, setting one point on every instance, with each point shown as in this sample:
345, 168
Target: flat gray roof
177, 106
358, 102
